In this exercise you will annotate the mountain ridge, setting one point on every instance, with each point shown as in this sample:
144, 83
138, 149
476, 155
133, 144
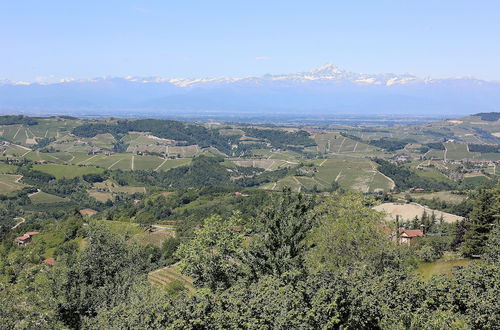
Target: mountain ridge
325, 89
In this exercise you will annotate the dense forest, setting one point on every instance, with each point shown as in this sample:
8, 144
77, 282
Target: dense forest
17, 119
281, 139
489, 116
484, 148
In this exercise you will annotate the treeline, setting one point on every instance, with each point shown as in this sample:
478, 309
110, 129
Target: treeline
389, 144
406, 179
486, 148
280, 138
17, 120
488, 116
167, 129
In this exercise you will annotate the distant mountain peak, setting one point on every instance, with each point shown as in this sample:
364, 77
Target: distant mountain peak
327, 69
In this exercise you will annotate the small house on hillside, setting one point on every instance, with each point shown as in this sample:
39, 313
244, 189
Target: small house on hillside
21, 240
51, 262
88, 212
407, 235
26, 238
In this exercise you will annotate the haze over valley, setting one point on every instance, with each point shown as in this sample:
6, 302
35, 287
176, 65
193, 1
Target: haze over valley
323, 91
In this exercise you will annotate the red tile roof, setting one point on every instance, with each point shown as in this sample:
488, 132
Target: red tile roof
22, 238
411, 232
31, 233
50, 261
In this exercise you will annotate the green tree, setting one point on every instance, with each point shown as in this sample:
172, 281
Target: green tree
483, 217
349, 237
212, 256
101, 276
278, 245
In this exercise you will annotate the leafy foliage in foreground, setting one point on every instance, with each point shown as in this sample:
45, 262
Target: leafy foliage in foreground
303, 262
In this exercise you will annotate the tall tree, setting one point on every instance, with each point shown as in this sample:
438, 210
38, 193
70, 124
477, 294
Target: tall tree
279, 243
212, 256
485, 215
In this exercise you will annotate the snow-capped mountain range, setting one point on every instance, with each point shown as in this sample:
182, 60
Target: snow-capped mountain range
326, 89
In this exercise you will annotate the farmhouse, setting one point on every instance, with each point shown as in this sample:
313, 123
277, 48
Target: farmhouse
26, 238
406, 235
51, 262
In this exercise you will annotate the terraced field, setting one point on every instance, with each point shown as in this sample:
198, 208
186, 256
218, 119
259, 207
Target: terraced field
456, 151
336, 143
351, 173
168, 275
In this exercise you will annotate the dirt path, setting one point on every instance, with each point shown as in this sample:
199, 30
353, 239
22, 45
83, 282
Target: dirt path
110, 166
159, 166
355, 146
323, 162
132, 162
16, 133
445, 151
298, 182
86, 160
338, 176
19, 223
269, 167
341, 144
22, 147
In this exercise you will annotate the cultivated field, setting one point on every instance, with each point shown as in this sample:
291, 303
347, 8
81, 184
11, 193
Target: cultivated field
66, 171
9, 183
168, 275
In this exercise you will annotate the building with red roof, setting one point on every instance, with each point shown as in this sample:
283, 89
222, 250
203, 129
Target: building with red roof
50, 261
26, 238
406, 235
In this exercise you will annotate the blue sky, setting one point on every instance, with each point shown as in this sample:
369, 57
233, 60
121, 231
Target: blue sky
235, 38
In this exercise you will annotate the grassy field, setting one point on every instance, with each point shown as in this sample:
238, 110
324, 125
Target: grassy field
7, 168
9, 183
44, 198
477, 180
440, 267
101, 196
66, 171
